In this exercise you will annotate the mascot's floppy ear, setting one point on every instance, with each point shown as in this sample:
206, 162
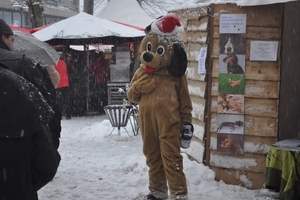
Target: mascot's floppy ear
178, 64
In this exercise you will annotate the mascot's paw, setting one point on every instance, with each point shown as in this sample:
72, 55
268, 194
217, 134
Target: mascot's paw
144, 85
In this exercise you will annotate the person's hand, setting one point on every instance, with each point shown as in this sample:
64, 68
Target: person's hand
186, 135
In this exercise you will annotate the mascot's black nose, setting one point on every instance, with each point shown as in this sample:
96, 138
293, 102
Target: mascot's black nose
148, 56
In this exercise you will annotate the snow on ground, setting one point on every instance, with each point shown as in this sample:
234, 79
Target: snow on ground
96, 165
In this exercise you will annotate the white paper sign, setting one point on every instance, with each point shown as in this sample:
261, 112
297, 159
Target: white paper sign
201, 60
263, 50
233, 23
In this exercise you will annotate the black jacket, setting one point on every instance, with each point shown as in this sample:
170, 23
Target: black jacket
28, 159
39, 77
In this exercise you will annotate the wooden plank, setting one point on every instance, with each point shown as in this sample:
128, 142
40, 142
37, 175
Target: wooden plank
255, 70
197, 24
248, 161
261, 126
193, 50
259, 33
192, 72
255, 180
267, 71
254, 89
196, 37
262, 89
261, 107
184, 36
206, 157
199, 127
197, 88
198, 107
193, 13
263, 16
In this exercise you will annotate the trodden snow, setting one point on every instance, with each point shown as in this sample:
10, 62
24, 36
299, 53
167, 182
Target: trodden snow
98, 166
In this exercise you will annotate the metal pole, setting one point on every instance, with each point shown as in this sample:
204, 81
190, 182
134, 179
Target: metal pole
86, 49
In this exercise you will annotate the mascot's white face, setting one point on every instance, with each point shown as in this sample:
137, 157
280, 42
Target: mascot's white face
156, 52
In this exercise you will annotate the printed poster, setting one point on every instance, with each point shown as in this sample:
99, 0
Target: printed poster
263, 50
201, 60
233, 23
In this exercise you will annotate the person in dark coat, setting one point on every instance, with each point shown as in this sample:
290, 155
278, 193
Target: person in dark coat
28, 158
34, 73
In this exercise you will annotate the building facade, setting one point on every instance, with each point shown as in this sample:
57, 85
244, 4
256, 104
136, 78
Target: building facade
16, 12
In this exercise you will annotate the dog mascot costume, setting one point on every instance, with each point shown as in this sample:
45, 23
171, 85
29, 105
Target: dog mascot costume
159, 86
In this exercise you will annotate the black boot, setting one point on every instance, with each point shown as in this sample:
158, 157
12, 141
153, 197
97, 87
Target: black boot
151, 197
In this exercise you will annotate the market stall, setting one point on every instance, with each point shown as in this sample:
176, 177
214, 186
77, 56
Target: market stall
84, 29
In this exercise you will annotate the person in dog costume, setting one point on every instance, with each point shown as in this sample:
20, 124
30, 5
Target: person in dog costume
159, 86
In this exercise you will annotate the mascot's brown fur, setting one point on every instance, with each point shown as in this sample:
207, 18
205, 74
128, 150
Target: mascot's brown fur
160, 87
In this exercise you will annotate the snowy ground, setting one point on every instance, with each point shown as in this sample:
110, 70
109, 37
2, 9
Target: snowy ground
96, 166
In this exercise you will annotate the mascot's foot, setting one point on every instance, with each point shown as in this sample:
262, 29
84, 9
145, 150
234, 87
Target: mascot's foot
151, 197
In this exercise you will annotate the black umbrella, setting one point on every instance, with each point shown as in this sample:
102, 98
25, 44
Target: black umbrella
33, 48
23, 110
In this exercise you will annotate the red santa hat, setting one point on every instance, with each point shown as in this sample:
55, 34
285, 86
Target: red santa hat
167, 25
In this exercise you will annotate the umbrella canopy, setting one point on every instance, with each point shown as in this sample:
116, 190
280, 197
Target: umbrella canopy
87, 29
35, 49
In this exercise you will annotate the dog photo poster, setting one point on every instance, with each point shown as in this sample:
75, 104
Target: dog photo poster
231, 84
233, 124
230, 143
232, 43
232, 63
231, 104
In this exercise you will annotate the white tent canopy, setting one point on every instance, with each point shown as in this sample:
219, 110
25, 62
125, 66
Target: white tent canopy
86, 27
127, 12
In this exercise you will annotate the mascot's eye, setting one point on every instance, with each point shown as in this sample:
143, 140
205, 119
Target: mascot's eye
160, 50
148, 46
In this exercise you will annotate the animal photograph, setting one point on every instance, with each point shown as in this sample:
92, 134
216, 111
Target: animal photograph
231, 84
232, 63
230, 143
230, 104
228, 123
232, 43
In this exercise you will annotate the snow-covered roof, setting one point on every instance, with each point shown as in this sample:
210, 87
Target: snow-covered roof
202, 3
83, 26
128, 12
